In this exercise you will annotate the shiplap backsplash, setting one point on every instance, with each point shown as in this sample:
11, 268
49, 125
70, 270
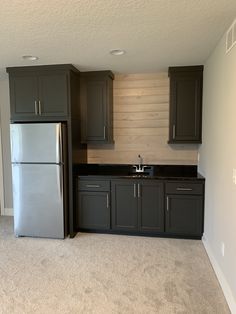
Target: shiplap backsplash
141, 118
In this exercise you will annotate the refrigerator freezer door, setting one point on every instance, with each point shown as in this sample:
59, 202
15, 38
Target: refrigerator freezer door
36, 143
38, 200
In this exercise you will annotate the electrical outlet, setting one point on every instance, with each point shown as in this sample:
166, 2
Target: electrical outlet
223, 249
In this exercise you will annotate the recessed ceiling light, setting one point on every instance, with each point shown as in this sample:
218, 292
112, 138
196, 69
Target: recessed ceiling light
117, 52
30, 58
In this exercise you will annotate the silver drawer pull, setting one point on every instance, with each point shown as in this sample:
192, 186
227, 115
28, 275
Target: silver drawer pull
167, 203
184, 189
139, 194
107, 201
174, 131
104, 132
40, 108
92, 186
35, 107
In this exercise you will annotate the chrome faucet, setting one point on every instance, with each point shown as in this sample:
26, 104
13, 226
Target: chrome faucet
139, 167
140, 163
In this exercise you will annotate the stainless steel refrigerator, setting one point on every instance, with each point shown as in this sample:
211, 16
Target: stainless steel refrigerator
38, 172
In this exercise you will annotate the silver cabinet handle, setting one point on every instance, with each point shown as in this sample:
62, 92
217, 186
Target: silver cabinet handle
107, 200
35, 107
139, 194
40, 108
104, 132
134, 190
174, 131
184, 189
92, 186
167, 203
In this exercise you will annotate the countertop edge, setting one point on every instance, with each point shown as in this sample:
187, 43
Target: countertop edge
199, 177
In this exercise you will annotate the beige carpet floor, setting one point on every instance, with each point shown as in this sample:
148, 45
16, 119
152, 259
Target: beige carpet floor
95, 273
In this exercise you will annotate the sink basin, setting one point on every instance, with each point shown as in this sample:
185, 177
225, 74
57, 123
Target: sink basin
146, 171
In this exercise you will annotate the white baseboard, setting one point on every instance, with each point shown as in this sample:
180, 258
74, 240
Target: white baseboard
7, 212
221, 278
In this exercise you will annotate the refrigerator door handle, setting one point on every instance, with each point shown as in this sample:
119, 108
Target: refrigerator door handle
59, 143
61, 183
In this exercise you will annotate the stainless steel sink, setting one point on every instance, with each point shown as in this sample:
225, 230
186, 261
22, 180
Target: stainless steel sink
142, 171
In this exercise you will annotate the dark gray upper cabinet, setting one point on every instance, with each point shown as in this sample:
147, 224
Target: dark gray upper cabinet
97, 107
53, 95
23, 96
185, 125
138, 205
40, 92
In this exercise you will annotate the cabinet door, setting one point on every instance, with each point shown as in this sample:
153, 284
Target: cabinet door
184, 215
124, 205
23, 97
151, 206
185, 106
53, 95
96, 111
94, 210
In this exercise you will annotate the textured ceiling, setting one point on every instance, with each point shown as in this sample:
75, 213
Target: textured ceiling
155, 33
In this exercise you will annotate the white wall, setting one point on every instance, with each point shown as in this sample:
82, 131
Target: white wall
217, 160
5, 118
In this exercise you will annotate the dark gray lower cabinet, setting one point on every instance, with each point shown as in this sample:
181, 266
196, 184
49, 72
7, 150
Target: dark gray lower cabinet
184, 208
93, 205
141, 206
94, 210
137, 206
184, 215
124, 205
151, 206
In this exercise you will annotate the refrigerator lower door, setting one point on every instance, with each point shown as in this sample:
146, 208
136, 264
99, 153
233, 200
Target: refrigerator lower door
38, 200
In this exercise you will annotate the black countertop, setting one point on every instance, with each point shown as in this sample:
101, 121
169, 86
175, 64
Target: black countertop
165, 172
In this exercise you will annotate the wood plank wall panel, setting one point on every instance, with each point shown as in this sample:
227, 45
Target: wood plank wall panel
141, 117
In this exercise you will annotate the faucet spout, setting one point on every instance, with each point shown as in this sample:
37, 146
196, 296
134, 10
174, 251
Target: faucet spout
140, 168
140, 162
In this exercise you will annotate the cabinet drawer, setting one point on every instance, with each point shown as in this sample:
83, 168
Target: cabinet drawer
94, 185
184, 188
